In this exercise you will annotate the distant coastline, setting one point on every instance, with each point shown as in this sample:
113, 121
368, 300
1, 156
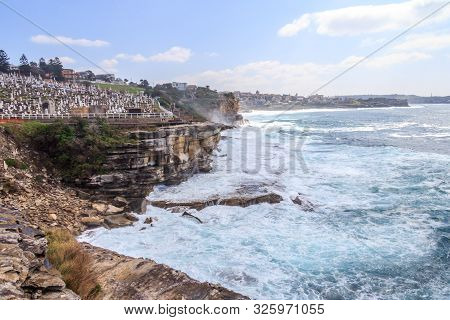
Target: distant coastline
284, 107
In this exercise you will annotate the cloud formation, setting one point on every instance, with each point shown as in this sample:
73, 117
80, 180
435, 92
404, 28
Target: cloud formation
45, 39
275, 76
67, 60
425, 41
174, 54
109, 65
365, 19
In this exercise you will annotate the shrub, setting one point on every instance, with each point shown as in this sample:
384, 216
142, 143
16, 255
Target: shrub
77, 151
73, 262
16, 164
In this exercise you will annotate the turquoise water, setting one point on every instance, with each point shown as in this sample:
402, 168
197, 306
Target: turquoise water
379, 179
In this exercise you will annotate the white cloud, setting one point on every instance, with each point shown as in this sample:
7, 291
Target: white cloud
109, 65
67, 60
425, 41
396, 58
212, 54
367, 18
274, 76
45, 39
174, 54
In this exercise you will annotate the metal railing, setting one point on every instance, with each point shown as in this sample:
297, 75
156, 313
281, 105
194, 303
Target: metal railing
160, 115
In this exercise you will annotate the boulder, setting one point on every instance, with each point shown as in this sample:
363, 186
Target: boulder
100, 207
92, 222
120, 220
120, 202
45, 280
304, 203
113, 210
148, 220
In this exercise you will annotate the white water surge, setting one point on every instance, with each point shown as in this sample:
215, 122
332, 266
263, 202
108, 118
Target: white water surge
380, 228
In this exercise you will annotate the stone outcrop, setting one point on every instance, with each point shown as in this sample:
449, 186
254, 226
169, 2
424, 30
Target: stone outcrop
122, 277
25, 272
233, 201
304, 203
167, 155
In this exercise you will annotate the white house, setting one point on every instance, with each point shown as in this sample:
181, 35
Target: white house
179, 85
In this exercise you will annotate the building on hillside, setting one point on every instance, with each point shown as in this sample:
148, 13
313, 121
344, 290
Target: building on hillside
179, 85
85, 75
108, 77
69, 74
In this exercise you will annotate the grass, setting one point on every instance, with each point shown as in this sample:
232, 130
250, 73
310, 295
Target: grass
73, 262
120, 87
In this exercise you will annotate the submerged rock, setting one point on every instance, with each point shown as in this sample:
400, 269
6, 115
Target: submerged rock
304, 203
188, 215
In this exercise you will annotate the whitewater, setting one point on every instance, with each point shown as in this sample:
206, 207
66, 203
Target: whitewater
379, 180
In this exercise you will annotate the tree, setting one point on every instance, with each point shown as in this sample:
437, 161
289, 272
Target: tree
24, 66
55, 67
34, 69
4, 61
143, 83
43, 65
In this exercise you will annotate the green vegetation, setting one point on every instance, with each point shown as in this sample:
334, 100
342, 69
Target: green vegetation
74, 263
77, 151
16, 164
120, 87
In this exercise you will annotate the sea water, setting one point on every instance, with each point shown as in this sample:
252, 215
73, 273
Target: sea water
379, 180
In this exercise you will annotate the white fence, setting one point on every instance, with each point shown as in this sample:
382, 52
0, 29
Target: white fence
161, 116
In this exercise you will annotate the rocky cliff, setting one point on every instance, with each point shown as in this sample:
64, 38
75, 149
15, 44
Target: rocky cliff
25, 272
122, 277
33, 200
167, 155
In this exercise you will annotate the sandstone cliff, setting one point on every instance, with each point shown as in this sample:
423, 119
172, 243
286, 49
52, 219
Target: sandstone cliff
33, 200
166, 155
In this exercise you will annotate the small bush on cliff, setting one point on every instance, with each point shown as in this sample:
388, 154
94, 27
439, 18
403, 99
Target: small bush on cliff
10, 162
73, 262
77, 151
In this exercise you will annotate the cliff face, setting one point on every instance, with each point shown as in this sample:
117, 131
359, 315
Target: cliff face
167, 155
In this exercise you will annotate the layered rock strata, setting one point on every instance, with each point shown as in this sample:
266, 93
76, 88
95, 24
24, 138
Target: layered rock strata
25, 273
122, 277
167, 155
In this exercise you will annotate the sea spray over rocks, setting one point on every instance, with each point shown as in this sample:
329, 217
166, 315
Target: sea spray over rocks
379, 228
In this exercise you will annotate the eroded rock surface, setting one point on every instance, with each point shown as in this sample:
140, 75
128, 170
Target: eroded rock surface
234, 201
24, 270
167, 155
122, 277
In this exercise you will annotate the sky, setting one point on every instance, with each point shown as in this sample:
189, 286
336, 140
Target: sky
283, 46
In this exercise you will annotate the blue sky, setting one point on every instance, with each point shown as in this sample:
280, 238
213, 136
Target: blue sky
282, 46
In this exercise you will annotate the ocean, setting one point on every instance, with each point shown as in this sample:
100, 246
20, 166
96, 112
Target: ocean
379, 182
